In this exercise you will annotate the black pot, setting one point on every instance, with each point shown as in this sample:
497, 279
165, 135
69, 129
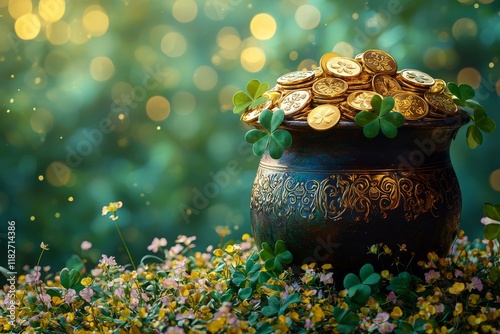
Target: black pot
333, 194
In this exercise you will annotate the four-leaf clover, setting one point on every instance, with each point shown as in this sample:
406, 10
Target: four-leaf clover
243, 101
381, 118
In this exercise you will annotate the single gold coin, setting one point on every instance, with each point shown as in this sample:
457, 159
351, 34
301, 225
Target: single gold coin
411, 106
343, 67
329, 87
384, 84
438, 87
323, 117
252, 115
361, 100
296, 77
441, 102
273, 96
325, 58
378, 61
295, 101
417, 78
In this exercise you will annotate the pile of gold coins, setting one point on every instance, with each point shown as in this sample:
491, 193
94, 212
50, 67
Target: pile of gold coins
342, 86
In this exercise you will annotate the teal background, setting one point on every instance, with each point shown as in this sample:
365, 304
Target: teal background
195, 160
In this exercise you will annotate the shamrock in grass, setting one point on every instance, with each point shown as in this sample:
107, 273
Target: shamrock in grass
381, 118
463, 95
272, 138
253, 97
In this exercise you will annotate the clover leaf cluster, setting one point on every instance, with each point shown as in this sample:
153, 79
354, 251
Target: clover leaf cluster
381, 118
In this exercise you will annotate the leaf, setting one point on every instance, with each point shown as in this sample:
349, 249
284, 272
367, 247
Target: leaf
245, 293
269, 264
351, 280
154, 257
376, 103
395, 118
279, 247
291, 299
495, 274
285, 257
275, 149
492, 211
277, 118
372, 129
360, 293
386, 106
474, 137
485, 124
257, 102
366, 271
267, 250
74, 277
401, 283
254, 135
466, 92
492, 232
365, 117
64, 278
241, 98
263, 87
277, 266
453, 88
253, 87
239, 278
283, 137
372, 279
388, 129
239, 108
265, 119
272, 308
259, 147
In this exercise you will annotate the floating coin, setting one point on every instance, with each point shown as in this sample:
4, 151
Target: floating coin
329, 87
417, 78
343, 67
295, 101
438, 87
325, 58
361, 100
252, 115
385, 84
411, 106
441, 102
379, 62
295, 78
323, 117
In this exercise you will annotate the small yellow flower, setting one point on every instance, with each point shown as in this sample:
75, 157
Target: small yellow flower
460, 234
218, 252
216, 325
230, 249
458, 309
396, 313
142, 313
245, 237
326, 266
457, 288
222, 231
318, 314
43, 246
86, 281
112, 207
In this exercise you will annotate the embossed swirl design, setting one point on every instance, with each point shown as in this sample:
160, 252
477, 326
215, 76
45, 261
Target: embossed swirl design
356, 196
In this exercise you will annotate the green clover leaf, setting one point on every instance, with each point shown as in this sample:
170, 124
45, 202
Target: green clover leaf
492, 231
274, 260
243, 101
272, 138
463, 95
381, 118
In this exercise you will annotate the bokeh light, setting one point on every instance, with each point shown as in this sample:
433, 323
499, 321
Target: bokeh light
263, 26
101, 68
253, 59
470, 76
18, 8
184, 10
51, 10
58, 32
307, 17
495, 180
158, 108
205, 78
95, 21
28, 26
173, 44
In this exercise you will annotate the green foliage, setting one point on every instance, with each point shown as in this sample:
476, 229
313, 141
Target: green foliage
463, 95
272, 138
70, 279
277, 259
347, 320
278, 307
360, 289
243, 101
492, 231
381, 118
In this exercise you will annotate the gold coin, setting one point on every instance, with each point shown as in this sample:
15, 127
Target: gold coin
295, 101
384, 84
379, 62
411, 106
343, 67
325, 58
295, 78
441, 102
251, 115
323, 117
273, 96
417, 78
361, 100
329, 87
438, 87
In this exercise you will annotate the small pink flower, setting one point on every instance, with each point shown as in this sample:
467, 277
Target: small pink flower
109, 261
185, 240
86, 294
392, 297
432, 276
45, 298
326, 278
157, 243
86, 245
69, 296
119, 293
488, 220
475, 284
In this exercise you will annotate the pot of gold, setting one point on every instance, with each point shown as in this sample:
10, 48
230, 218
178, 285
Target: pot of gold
355, 155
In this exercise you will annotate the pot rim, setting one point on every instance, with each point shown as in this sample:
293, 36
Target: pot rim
455, 121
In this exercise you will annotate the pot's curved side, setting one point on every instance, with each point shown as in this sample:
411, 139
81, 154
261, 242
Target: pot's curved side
334, 194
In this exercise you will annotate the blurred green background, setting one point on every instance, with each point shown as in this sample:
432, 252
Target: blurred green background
130, 100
